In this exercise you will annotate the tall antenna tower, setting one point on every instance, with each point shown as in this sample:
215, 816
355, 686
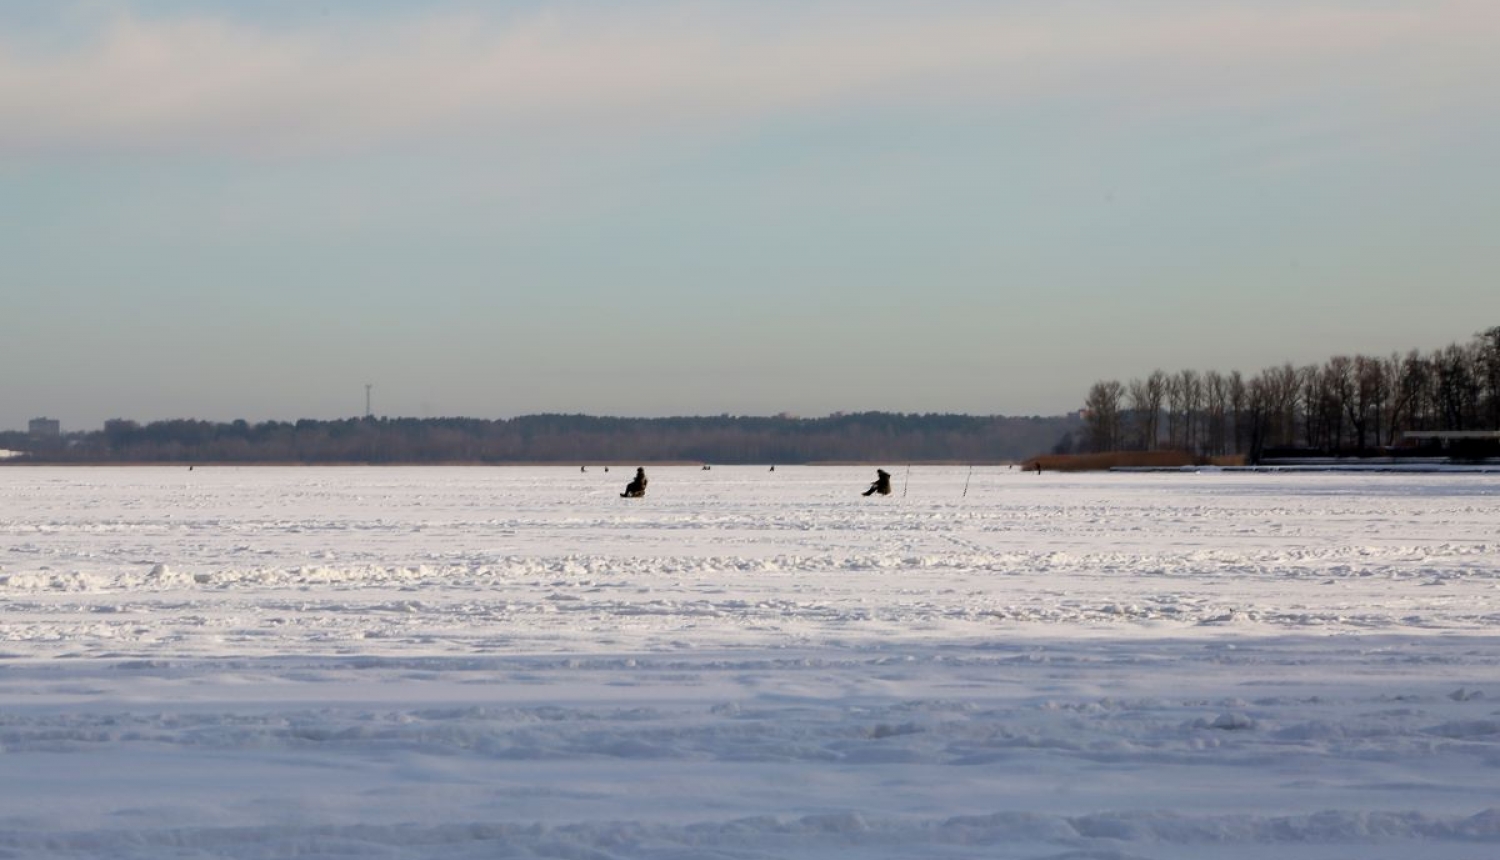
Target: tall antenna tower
368, 386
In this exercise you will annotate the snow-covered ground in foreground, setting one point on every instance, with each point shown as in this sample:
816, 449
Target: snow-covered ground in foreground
515, 662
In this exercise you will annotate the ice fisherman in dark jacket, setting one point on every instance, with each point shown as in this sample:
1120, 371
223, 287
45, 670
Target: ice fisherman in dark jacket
882, 483
636, 488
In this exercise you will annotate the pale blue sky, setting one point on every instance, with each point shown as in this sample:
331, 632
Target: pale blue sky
249, 210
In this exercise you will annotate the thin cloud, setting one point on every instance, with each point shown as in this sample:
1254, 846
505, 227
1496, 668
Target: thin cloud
223, 85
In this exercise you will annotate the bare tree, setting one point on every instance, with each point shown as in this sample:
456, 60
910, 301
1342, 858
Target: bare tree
1175, 398
1261, 404
1413, 386
1282, 385
1191, 391
1370, 393
1156, 392
1103, 407
1141, 423
1238, 403
1457, 388
1215, 404
1489, 352
1336, 400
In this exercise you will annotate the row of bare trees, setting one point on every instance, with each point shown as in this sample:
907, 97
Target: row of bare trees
1347, 405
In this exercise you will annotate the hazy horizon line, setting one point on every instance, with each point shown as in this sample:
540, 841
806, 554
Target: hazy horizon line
676, 417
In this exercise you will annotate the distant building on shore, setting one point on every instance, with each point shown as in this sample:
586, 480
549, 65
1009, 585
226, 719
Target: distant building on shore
45, 428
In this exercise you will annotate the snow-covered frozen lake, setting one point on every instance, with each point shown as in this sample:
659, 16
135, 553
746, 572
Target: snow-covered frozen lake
515, 662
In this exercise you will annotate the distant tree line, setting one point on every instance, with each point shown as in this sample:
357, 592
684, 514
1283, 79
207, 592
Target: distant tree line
864, 437
1347, 406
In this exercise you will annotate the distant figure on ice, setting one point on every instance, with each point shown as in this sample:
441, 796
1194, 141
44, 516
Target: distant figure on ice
636, 488
583, 468
882, 484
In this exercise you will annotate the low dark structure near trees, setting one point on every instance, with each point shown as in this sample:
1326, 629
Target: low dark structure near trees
1454, 444
882, 484
637, 487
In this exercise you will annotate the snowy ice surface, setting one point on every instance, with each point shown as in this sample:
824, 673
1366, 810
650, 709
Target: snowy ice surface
516, 662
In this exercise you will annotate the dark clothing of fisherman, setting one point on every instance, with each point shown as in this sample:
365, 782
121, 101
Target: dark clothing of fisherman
882, 483
636, 488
